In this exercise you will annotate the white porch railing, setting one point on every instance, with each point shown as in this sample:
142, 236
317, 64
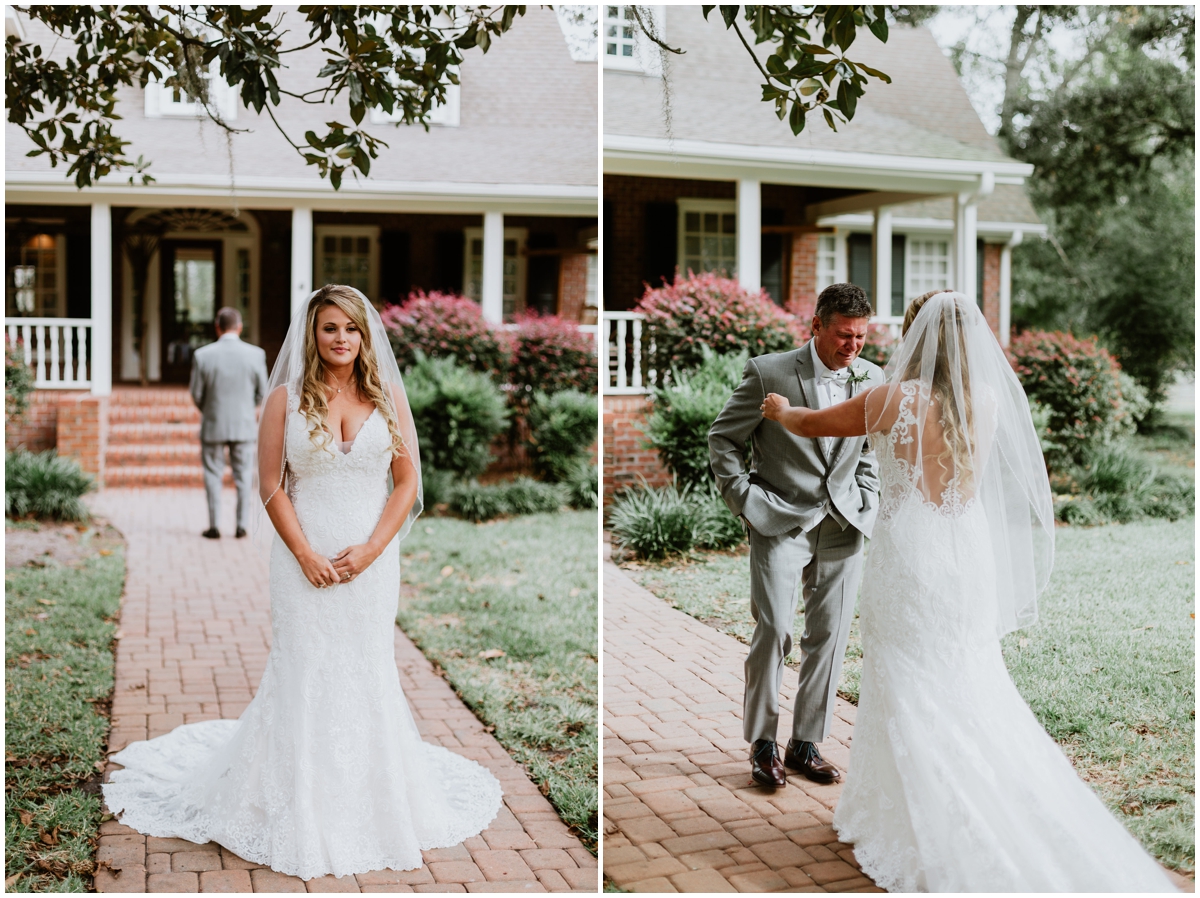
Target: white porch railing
58, 349
624, 358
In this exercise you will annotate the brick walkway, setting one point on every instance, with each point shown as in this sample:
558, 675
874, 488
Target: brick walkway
681, 813
193, 641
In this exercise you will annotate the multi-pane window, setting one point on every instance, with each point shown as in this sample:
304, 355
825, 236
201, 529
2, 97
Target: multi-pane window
177, 102
826, 261
36, 285
347, 256
514, 268
708, 236
928, 265
619, 25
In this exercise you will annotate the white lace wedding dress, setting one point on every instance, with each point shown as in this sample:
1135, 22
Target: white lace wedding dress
325, 771
953, 786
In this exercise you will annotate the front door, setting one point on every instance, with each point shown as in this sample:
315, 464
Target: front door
191, 295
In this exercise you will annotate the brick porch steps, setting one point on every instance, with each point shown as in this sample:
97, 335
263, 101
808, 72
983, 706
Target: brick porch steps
154, 439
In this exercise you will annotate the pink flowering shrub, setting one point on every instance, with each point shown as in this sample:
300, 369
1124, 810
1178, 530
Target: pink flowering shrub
879, 346
446, 324
1078, 381
551, 354
709, 310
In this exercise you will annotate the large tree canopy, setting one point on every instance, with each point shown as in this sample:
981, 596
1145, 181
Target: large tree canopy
398, 58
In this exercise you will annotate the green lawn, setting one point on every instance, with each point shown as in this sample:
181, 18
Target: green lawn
508, 610
58, 682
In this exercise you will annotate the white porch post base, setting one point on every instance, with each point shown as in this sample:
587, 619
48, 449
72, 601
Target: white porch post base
102, 312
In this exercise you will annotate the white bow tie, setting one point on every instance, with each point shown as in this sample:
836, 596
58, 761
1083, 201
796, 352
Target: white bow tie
838, 377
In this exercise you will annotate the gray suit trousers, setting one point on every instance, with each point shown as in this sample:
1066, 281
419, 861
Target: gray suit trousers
827, 563
241, 459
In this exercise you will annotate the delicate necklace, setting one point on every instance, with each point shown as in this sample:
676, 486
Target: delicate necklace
348, 379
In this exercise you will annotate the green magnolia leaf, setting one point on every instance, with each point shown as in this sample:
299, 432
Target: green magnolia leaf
776, 66
796, 118
874, 73
313, 140
729, 14
846, 99
809, 87
829, 119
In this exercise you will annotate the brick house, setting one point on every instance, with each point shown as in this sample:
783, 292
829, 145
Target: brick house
498, 201
912, 195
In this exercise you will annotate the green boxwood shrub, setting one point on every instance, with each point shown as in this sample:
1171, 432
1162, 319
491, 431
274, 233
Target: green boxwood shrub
583, 486
18, 382
45, 485
437, 486
562, 430
477, 502
458, 412
1116, 483
685, 408
1079, 382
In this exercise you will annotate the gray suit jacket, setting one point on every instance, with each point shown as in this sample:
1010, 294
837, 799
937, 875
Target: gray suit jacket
229, 378
791, 479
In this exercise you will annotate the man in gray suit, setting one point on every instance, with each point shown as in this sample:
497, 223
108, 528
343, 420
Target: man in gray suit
229, 379
808, 504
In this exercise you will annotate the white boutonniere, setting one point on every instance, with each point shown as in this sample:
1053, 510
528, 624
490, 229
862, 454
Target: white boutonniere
855, 377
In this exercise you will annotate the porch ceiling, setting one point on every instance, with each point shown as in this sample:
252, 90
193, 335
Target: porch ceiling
286, 193
656, 157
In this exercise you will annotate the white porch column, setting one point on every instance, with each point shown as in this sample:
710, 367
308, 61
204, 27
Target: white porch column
965, 235
881, 271
102, 312
302, 255
1006, 285
749, 234
493, 267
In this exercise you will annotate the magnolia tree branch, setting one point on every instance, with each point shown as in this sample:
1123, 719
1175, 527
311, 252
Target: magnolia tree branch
396, 58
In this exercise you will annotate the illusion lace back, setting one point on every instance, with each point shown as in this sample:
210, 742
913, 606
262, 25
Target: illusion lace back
953, 784
325, 771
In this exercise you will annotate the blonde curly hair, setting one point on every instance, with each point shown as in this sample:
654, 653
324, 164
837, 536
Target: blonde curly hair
313, 402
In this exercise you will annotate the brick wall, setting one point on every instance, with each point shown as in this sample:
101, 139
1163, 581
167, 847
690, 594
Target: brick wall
82, 431
991, 285
37, 431
572, 289
802, 292
626, 458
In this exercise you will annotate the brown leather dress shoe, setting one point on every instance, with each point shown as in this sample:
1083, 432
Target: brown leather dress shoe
804, 757
765, 768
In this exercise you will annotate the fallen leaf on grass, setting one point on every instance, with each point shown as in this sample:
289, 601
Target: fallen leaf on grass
45, 602
48, 838
26, 817
41, 616
447, 571
10, 880
491, 653
574, 592
31, 632
106, 551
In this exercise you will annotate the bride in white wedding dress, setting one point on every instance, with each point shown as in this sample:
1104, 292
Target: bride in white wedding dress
953, 786
325, 771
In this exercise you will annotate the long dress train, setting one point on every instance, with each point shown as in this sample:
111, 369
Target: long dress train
325, 771
953, 784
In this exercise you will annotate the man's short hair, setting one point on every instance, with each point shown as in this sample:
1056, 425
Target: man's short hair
228, 319
847, 300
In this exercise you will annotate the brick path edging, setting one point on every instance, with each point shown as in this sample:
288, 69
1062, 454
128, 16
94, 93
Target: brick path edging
193, 640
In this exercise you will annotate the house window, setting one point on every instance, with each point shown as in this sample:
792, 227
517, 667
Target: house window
445, 113
36, 283
928, 265
514, 268
860, 248
348, 255
826, 261
625, 47
175, 102
708, 236
243, 281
